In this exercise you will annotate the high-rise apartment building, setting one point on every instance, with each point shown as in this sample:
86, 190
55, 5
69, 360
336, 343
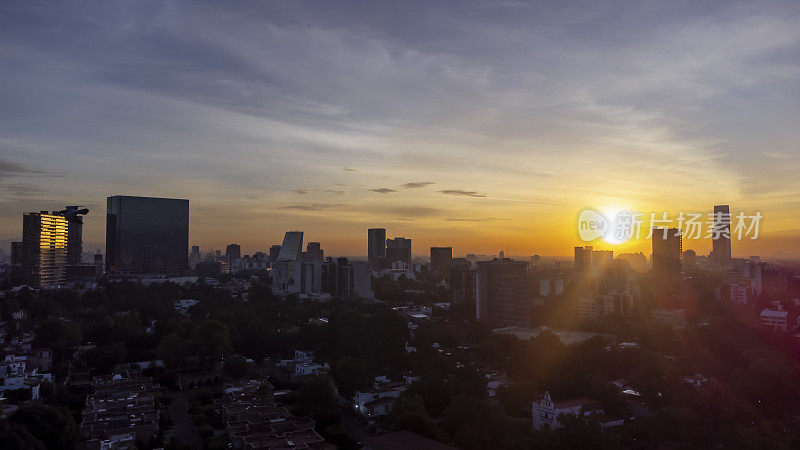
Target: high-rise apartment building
274, 251
667, 251
721, 236
398, 253
337, 278
314, 252
602, 260
147, 235
504, 294
376, 248
195, 256
440, 260
232, 253
74, 216
583, 259
44, 249
462, 281
16, 253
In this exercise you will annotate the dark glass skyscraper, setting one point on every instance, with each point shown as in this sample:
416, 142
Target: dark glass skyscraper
398, 251
667, 252
376, 248
146, 235
721, 243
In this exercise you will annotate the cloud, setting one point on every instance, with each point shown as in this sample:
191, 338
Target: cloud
484, 219
315, 206
462, 192
12, 169
383, 190
300, 191
350, 169
22, 189
335, 191
416, 184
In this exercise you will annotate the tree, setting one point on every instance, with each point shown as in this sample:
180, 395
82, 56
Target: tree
236, 367
211, 338
409, 414
49, 425
173, 350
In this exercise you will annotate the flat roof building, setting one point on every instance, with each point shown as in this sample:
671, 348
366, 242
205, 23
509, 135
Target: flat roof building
147, 235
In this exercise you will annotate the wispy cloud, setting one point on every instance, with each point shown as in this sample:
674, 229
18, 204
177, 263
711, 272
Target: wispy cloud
335, 191
300, 191
350, 169
12, 169
484, 219
315, 206
383, 190
462, 192
416, 184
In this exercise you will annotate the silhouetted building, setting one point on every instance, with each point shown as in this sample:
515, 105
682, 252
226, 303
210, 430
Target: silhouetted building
721, 238
232, 253
440, 260
16, 253
146, 235
208, 269
398, 253
504, 294
74, 216
376, 248
44, 249
462, 281
667, 251
689, 259
314, 252
337, 278
602, 260
274, 251
583, 259
195, 256
292, 246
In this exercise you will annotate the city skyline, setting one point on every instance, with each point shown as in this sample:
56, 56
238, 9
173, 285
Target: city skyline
473, 131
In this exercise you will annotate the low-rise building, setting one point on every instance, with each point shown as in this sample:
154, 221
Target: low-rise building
122, 409
380, 400
15, 374
254, 420
545, 412
778, 320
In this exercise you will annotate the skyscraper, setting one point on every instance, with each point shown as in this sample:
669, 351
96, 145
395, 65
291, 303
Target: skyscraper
667, 251
721, 239
398, 252
274, 251
503, 293
232, 253
16, 253
376, 248
292, 246
147, 235
583, 259
44, 249
74, 216
314, 252
337, 277
440, 260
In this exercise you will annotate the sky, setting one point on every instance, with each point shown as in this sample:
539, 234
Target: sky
481, 125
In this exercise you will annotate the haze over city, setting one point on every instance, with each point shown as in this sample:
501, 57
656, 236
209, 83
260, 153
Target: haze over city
482, 125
